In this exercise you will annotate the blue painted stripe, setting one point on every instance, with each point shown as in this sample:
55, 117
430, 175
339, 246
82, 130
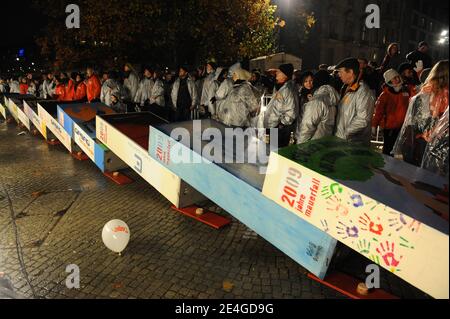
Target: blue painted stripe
99, 155
292, 235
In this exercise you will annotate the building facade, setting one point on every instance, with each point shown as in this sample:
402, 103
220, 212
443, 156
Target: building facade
340, 30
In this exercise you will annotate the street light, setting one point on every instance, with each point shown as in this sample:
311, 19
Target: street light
444, 37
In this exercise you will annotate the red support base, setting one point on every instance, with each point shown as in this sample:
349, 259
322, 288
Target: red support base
347, 285
209, 218
80, 156
118, 178
53, 142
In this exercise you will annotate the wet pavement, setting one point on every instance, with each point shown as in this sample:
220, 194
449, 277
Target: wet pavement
52, 211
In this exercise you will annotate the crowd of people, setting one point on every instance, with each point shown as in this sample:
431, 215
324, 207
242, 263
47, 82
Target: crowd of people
406, 96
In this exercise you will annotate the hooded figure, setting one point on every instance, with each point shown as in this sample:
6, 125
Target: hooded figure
206, 90
225, 87
144, 92
435, 158
283, 108
109, 87
116, 104
319, 114
210, 92
49, 86
3, 86
157, 94
131, 82
241, 104
424, 111
14, 86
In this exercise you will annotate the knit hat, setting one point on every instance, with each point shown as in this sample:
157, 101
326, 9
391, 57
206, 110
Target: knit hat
287, 69
389, 75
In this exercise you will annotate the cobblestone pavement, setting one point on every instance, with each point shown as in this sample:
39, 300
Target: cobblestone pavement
52, 211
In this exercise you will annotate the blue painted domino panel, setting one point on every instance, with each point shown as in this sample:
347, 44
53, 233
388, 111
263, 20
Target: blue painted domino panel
306, 244
88, 127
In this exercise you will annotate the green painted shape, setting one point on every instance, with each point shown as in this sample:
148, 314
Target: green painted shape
336, 158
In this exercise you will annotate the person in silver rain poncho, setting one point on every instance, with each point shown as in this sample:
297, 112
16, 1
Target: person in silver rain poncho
241, 103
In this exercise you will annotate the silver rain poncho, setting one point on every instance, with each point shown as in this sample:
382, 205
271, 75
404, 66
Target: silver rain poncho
240, 105
157, 96
435, 158
283, 107
355, 112
222, 92
109, 87
131, 86
319, 115
48, 87
209, 91
144, 91
209, 79
410, 146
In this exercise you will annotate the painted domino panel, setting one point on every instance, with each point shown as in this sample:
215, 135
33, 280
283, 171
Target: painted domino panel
52, 124
12, 107
307, 245
35, 119
23, 118
167, 183
407, 247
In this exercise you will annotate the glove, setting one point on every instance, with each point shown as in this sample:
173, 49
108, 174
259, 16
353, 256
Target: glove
419, 66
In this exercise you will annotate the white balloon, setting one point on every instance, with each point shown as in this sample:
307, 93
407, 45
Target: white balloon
116, 235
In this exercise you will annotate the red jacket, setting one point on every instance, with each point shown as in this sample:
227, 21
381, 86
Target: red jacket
23, 88
391, 107
93, 88
80, 92
60, 92
69, 91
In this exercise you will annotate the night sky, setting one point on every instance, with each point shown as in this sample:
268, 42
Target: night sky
20, 22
